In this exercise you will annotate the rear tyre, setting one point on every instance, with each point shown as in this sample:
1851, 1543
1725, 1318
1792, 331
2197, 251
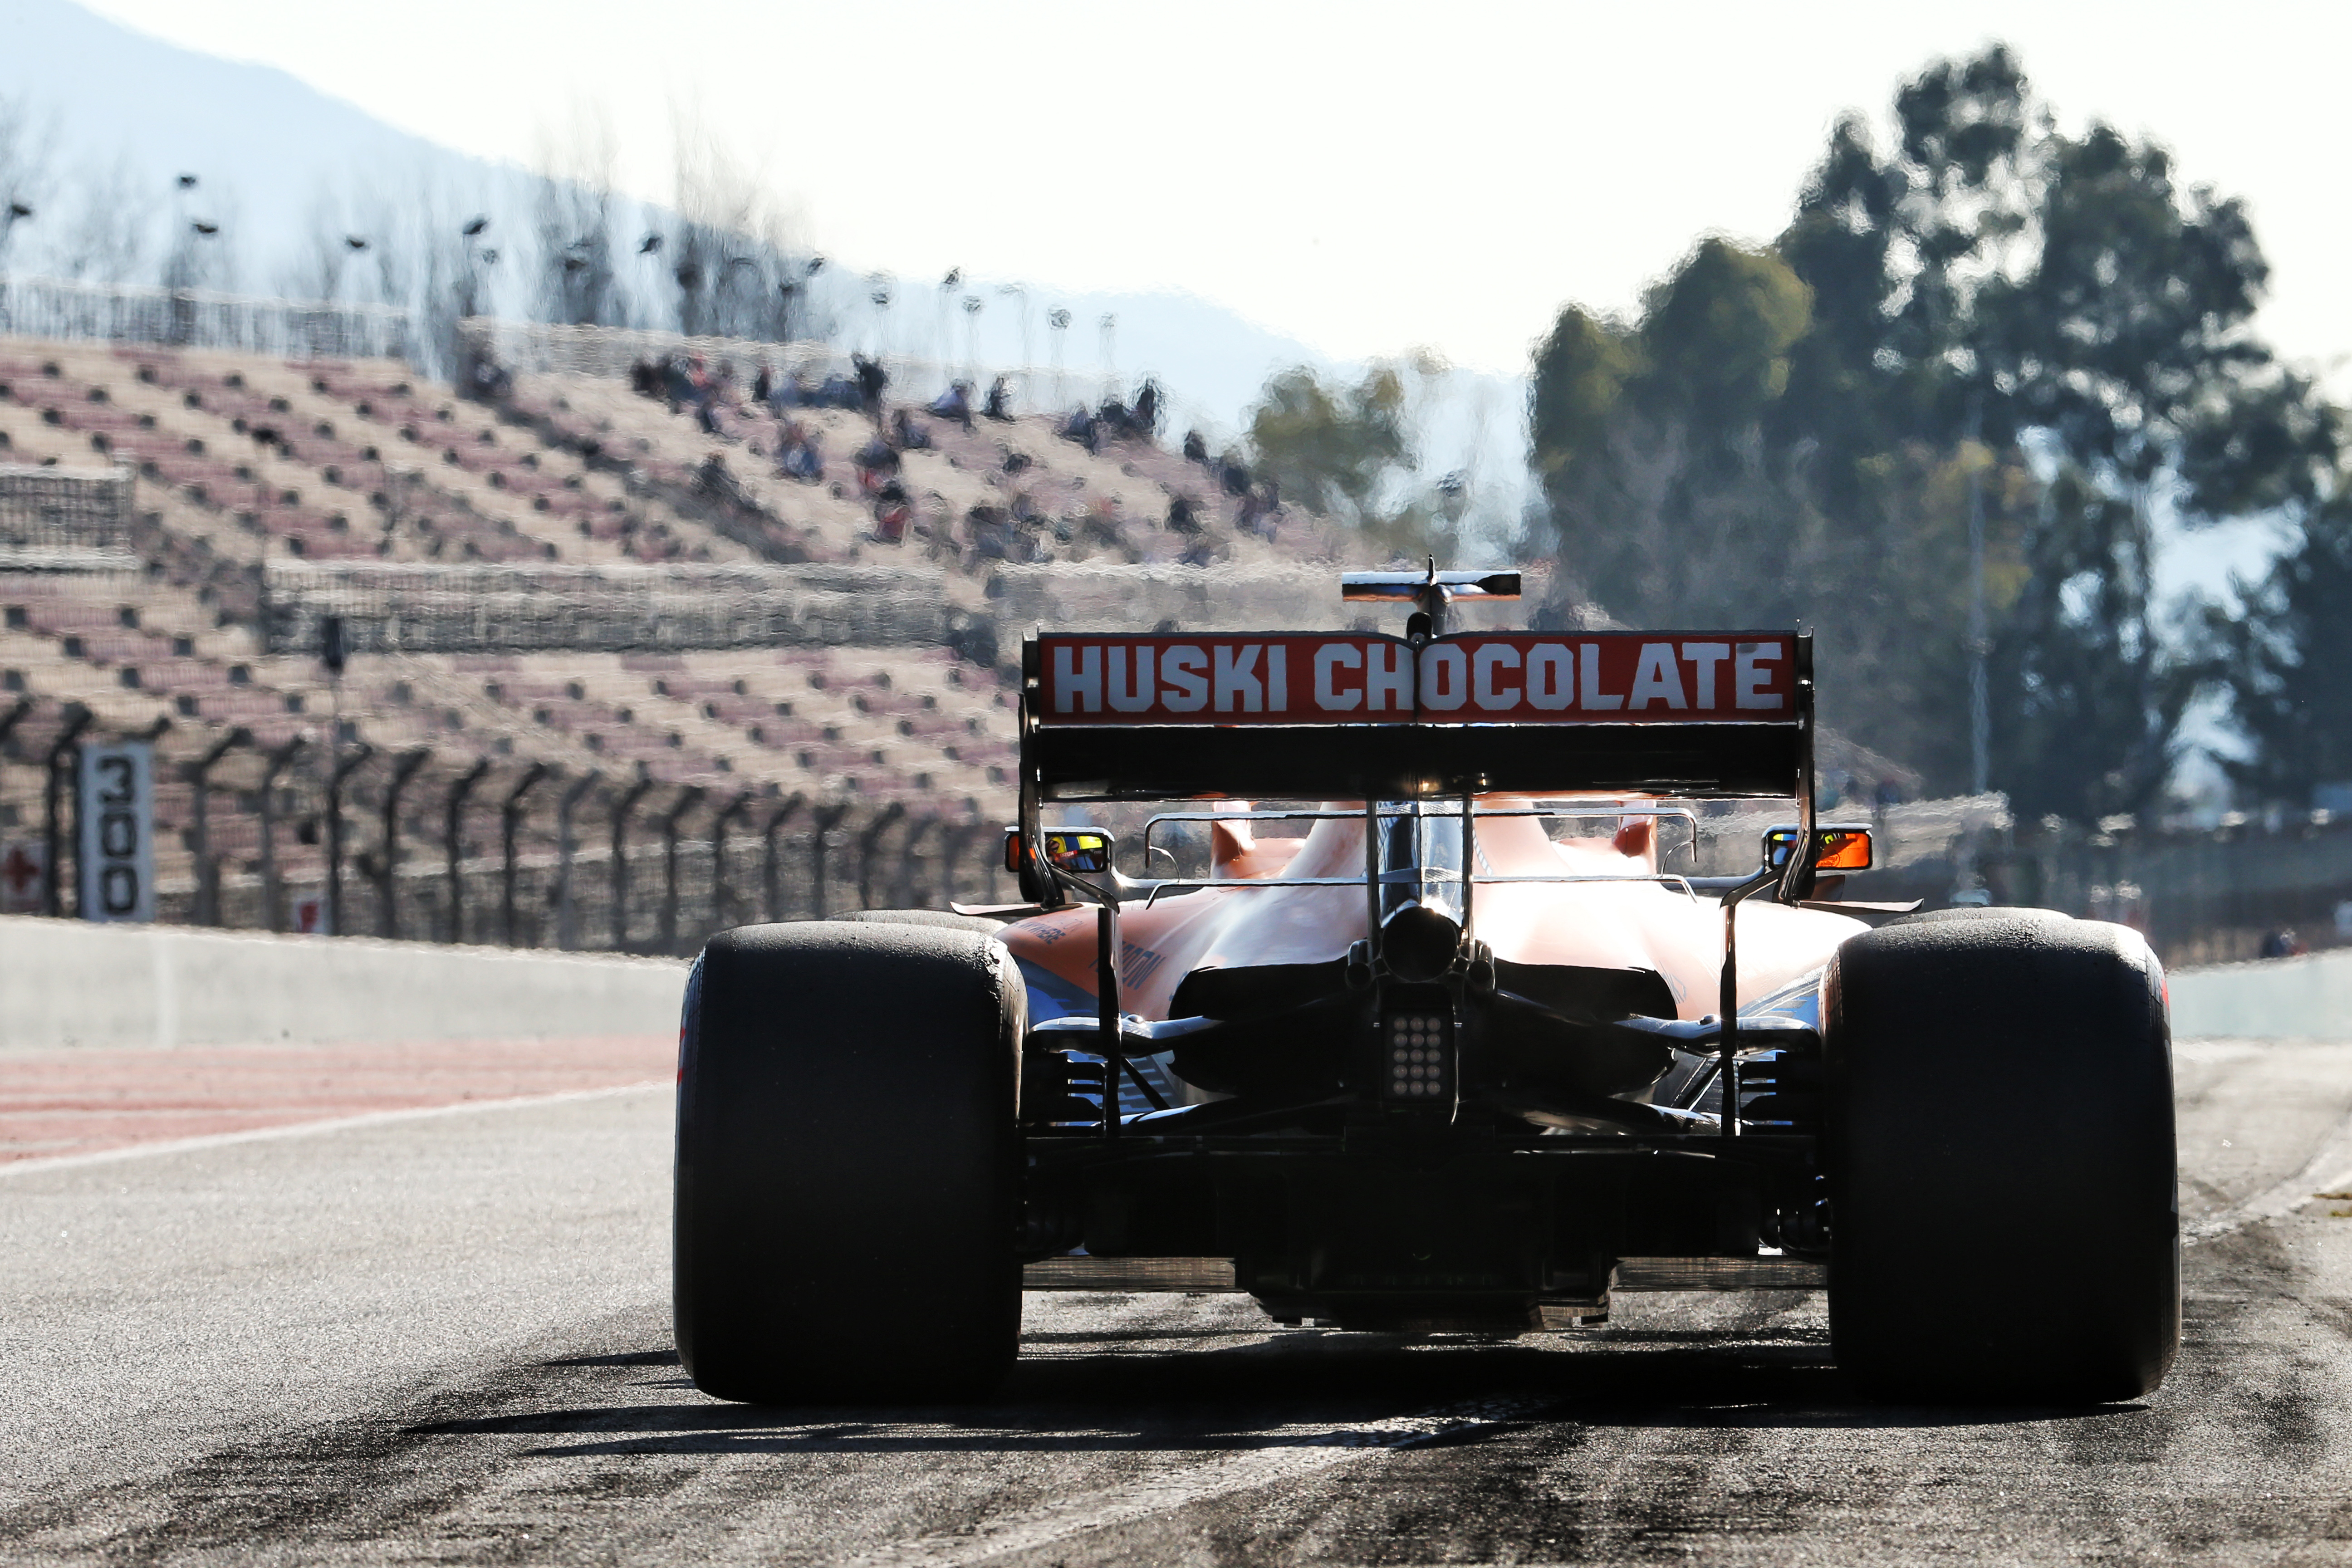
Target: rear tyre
2005, 1224
847, 1181
941, 919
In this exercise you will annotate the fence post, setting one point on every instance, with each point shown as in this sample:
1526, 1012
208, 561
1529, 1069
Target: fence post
824, 822
907, 894
275, 763
567, 924
387, 913
687, 799
453, 843
627, 802
509, 818
729, 813
199, 776
959, 839
867, 842
771, 866
77, 718
343, 769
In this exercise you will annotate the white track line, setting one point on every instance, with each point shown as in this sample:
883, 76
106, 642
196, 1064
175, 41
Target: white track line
1237, 1471
2327, 1171
314, 1129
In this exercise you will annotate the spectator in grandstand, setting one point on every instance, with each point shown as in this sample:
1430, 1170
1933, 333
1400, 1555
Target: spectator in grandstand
1015, 461
645, 378
2281, 944
1182, 518
763, 385
1024, 509
1201, 553
1102, 526
906, 435
1259, 510
875, 462
713, 479
1196, 448
1234, 474
1112, 418
678, 382
788, 391
1143, 420
872, 381
891, 512
1000, 401
993, 537
954, 404
839, 391
1081, 427
802, 458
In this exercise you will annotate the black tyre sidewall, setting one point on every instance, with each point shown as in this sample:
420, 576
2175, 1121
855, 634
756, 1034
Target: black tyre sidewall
847, 1176
2000, 1151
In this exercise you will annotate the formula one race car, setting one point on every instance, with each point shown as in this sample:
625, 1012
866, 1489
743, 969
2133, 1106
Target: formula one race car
1439, 1047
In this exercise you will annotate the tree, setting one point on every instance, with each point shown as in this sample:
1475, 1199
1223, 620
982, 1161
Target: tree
108, 236
574, 206
26, 144
2282, 661
1989, 303
734, 252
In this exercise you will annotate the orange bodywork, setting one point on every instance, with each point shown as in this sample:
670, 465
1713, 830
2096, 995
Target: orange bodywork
1618, 923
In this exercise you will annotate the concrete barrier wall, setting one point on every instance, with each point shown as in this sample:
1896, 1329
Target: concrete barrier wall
65, 982
2276, 999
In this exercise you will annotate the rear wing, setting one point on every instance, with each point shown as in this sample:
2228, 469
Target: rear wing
1359, 715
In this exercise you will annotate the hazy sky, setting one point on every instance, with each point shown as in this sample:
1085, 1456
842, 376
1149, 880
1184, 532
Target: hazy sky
1363, 177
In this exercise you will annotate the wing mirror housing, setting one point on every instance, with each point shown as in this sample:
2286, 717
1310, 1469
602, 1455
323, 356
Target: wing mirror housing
1080, 851
1840, 846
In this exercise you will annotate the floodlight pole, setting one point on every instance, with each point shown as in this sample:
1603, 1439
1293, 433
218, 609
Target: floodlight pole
1980, 637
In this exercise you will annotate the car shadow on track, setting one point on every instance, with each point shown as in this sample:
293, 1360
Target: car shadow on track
1109, 1394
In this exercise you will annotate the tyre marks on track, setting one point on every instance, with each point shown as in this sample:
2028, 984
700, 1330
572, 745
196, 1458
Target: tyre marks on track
2329, 1170
1283, 1456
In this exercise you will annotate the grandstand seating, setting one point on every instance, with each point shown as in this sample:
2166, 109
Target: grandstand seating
241, 460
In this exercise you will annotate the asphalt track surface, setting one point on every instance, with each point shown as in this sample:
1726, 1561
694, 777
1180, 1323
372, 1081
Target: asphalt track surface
442, 1336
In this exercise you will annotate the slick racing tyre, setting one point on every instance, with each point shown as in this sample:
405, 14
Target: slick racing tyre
2005, 1222
847, 1180
939, 920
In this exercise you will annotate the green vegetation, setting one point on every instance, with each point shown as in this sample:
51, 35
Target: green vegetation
1988, 312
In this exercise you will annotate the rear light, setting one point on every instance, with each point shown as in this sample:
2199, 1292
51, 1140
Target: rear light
1418, 1050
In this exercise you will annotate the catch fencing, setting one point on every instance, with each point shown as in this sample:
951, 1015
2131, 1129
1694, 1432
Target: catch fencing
204, 318
65, 519
460, 848
428, 607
